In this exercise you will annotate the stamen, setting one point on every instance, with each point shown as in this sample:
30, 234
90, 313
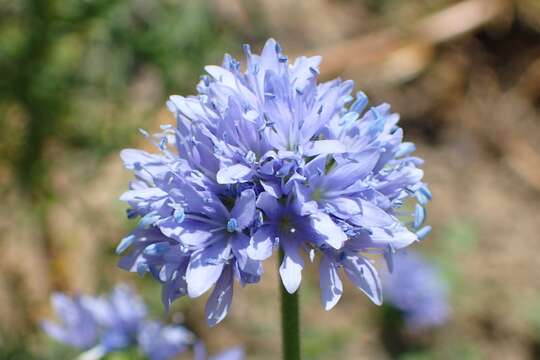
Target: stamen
232, 225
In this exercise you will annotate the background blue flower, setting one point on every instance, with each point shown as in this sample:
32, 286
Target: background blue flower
118, 321
417, 289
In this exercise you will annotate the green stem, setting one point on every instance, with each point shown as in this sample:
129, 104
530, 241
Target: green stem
290, 322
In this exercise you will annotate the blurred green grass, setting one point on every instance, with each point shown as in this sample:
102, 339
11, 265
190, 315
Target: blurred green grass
68, 67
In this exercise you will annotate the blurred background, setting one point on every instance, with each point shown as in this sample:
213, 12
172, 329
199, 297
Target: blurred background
79, 77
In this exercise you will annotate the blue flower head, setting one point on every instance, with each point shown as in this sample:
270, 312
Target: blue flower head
416, 289
101, 324
118, 321
267, 157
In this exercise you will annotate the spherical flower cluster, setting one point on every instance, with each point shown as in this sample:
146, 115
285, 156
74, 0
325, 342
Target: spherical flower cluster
266, 158
101, 325
416, 288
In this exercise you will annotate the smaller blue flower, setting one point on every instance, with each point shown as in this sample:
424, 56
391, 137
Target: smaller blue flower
115, 322
416, 288
77, 328
119, 315
359, 269
162, 342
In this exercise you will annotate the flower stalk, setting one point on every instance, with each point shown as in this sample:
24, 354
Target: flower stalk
290, 321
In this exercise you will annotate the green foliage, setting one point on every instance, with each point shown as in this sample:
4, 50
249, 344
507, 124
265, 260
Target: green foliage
457, 238
319, 344
14, 351
70, 67
533, 314
128, 354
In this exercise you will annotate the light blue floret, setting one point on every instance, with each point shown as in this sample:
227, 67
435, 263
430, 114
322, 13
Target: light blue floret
232, 225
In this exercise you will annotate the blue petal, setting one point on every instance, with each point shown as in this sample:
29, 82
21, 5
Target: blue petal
372, 216
189, 232
125, 243
220, 300
189, 107
262, 243
142, 268
329, 233
345, 175
316, 166
301, 71
290, 269
423, 232
344, 208
269, 205
425, 190
389, 258
244, 209
149, 219
222, 75
146, 194
364, 275
360, 103
205, 268
240, 246
273, 188
269, 56
234, 174
419, 216
348, 119
404, 149
323, 147
156, 248
399, 237
331, 285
